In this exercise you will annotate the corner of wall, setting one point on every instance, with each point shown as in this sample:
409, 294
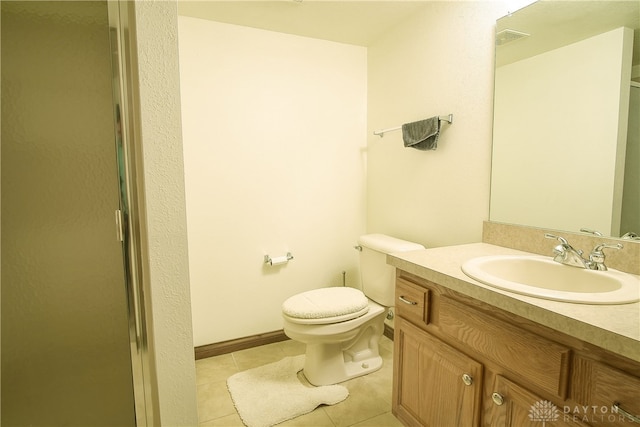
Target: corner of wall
440, 197
161, 141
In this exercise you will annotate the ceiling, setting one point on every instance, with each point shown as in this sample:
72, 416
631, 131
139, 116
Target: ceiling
352, 22
361, 22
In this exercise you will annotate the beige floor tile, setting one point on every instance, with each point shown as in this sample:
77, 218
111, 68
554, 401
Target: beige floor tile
362, 404
385, 420
380, 383
258, 356
215, 369
369, 402
214, 401
232, 420
316, 418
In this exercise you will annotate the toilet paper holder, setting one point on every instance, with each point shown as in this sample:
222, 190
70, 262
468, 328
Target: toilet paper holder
278, 260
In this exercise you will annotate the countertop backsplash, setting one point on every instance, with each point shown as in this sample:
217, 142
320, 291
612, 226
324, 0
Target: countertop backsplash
531, 239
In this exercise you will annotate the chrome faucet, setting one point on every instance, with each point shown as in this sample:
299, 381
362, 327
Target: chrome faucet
596, 257
564, 253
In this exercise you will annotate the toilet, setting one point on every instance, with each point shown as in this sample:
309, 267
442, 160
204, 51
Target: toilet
341, 326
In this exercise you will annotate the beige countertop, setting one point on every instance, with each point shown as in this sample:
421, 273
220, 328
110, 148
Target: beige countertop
613, 327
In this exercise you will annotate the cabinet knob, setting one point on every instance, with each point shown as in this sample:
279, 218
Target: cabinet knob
497, 398
467, 379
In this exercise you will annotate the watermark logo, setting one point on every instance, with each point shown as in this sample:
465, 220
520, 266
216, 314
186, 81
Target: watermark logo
544, 411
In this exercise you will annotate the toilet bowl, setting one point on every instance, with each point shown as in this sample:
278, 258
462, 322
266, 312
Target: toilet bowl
339, 347
341, 326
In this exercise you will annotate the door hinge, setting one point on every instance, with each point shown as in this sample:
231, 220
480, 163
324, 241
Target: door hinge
119, 228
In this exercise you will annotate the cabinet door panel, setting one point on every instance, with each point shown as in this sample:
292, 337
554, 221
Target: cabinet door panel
537, 360
409, 380
598, 387
513, 406
431, 385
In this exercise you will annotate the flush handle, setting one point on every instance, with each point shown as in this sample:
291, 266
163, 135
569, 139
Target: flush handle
406, 301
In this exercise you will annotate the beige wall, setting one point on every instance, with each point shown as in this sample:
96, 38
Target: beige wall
438, 62
165, 207
449, 70
274, 141
275, 130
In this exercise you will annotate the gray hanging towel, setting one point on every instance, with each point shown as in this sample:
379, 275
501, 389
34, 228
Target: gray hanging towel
422, 135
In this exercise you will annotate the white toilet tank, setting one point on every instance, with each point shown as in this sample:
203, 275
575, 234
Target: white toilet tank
378, 277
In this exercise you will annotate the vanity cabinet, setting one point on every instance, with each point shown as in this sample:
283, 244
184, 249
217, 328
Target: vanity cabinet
461, 362
427, 361
514, 406
598, 385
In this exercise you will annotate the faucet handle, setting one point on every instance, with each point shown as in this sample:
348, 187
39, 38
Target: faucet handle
563, 246
602, 246
596, 258
590, 231
559, 238
598, 249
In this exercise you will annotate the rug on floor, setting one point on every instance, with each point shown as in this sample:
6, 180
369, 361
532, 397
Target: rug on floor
273, 393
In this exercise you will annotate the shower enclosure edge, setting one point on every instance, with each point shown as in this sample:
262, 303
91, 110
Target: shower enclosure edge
131, 218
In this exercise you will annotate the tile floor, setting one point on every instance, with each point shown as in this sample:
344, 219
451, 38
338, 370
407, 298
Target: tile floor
368, 404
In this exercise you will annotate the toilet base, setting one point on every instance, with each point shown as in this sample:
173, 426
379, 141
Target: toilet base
331, 363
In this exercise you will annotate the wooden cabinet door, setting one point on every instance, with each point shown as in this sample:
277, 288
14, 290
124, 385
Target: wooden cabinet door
510, 405
605, 394
436, 385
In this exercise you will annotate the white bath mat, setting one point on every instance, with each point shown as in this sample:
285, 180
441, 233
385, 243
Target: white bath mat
274, 393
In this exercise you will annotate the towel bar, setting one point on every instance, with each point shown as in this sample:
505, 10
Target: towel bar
448, 118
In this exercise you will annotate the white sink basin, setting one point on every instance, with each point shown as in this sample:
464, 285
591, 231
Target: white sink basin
542, 277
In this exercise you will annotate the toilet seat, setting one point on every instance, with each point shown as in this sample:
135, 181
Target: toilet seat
326, 305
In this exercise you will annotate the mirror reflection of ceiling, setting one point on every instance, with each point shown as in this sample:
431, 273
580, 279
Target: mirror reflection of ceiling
351, 22
571, 45
553, 24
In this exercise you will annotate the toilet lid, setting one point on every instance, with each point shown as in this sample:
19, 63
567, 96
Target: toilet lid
326, 305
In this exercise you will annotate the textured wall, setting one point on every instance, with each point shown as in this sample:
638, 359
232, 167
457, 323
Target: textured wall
165, 206
274, 139
438, 62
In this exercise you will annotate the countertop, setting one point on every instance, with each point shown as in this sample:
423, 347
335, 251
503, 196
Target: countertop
613, 327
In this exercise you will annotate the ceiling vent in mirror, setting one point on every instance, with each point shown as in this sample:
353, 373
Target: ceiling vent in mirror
507, 36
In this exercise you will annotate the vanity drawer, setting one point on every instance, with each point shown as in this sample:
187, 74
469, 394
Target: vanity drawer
597, 387
535, 359
412, 302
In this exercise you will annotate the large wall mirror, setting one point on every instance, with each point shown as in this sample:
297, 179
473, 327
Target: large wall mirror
566, 148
